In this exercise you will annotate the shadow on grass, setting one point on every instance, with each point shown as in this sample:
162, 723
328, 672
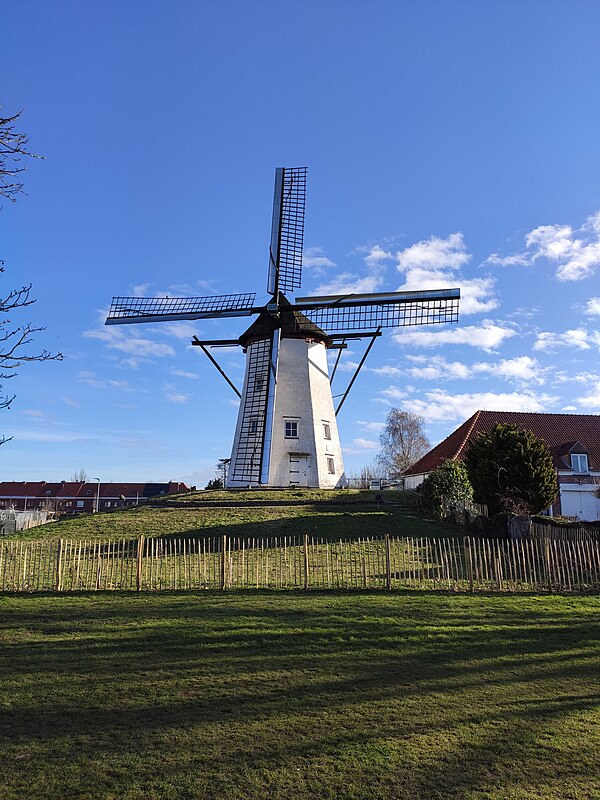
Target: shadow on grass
404, 695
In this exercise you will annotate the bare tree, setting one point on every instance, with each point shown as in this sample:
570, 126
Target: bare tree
15, 338
13, 146
80, 476
402, 442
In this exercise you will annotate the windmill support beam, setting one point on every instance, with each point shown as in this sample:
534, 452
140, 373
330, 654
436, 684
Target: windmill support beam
337, 361
358, 369
204, 349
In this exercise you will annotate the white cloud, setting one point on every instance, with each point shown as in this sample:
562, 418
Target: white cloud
365, 444
434, 263
520, 369
580, 338
393, 393
33, 412
576, 377
371, 426
387, 370
70, 402
176, 397
351, 283
486, 336
591, 400
517, 259
313, 259
180, 330
91, 379
183, 374
438, 405
129, 342
593, 306
375, 255
576, 253
434, 253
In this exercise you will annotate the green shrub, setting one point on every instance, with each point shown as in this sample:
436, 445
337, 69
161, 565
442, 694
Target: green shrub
446, 489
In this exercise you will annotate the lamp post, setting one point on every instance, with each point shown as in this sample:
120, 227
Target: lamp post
97, 495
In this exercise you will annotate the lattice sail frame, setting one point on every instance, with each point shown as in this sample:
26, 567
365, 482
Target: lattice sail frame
348, 313
157, 309
287, 230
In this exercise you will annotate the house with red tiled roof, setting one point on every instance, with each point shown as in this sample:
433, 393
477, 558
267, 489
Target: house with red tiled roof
573, 441
71, 497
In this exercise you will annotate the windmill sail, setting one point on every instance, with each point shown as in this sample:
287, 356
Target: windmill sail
287, 230
363, 312
124, 310
250, 463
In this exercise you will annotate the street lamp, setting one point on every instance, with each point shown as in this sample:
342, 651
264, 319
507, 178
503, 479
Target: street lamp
98, 496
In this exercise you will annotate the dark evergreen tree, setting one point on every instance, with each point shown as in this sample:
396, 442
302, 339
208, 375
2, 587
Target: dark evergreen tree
511, 471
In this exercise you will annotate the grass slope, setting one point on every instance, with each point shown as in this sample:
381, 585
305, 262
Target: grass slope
334, 514
185, 697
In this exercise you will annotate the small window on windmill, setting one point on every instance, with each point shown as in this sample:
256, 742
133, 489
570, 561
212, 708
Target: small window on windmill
291, 429
330, 466
326, 430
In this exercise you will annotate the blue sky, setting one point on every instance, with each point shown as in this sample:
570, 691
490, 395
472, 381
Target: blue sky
447, 143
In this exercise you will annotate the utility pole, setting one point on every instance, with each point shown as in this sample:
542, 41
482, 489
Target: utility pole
97, 495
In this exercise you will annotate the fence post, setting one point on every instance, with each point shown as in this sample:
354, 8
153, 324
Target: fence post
548, 563
140, 554
306, 561
388, 571
469, 562
59, 566
223, 561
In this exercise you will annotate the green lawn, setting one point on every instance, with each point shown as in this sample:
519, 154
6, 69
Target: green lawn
271, 695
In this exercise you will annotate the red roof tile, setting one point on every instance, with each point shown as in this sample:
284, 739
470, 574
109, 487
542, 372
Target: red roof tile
559, 431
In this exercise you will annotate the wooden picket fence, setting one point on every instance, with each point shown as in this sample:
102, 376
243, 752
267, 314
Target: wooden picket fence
308, 562
578, 532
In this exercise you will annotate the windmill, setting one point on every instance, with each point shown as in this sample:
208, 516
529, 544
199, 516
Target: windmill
286, 432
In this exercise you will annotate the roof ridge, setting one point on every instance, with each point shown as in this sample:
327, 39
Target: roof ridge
476, 416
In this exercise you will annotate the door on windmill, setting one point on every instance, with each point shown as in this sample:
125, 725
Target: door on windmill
299, 468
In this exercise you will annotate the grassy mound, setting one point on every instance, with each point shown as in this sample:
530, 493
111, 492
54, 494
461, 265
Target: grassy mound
258, 513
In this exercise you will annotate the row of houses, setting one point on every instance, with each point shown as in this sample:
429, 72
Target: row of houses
71, 497
573, 441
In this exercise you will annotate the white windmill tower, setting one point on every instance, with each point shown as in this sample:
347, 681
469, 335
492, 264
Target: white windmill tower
286, 432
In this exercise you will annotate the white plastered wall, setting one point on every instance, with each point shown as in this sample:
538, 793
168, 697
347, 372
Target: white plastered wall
304, 395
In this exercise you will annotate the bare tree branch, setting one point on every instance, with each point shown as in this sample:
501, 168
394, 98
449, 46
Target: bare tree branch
15, 338
13, 146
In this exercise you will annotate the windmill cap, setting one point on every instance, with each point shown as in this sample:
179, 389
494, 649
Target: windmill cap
292, 323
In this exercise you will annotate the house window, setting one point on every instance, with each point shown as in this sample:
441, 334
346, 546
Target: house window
579, 462
291, 429
80, 504
330, 466
327, 430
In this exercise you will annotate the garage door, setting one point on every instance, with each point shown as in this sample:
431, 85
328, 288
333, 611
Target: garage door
580, 504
